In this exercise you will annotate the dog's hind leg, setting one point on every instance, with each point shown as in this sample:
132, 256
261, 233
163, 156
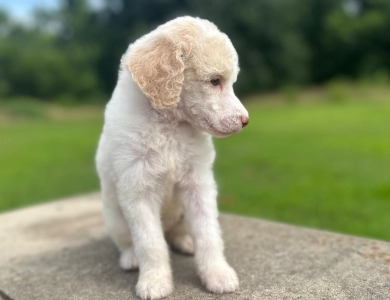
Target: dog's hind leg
117, 227
178, 237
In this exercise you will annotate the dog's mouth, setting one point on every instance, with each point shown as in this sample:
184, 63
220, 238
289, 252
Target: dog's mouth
221, 134
215, 130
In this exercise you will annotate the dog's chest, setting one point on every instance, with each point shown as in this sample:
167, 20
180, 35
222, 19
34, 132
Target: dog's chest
179, 149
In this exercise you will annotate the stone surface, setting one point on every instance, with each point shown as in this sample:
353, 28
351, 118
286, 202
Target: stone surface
60, 250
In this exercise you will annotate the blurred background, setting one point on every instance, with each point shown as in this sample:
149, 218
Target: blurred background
315, 77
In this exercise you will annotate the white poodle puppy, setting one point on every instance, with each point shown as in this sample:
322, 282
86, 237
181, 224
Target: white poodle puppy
155, 156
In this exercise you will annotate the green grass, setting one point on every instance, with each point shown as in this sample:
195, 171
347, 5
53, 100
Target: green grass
323, 164
43, 159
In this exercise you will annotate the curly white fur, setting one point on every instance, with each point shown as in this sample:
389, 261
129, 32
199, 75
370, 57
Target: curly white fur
156, 153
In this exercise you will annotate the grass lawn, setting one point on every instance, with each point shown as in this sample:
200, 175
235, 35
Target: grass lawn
45, 158
312, 163
319, 166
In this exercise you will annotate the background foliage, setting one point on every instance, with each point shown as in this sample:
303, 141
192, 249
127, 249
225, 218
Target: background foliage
72, 54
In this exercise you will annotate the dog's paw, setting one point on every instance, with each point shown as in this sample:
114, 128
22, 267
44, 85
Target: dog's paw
154, 286
183, 244
220, 279
127, 260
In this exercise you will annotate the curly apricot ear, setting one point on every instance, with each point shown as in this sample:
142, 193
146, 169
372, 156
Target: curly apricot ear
157, 67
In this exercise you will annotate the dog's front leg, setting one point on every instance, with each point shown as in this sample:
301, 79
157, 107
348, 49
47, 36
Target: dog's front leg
141, 204
198, 193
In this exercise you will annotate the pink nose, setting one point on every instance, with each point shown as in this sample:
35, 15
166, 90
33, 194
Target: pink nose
244, 121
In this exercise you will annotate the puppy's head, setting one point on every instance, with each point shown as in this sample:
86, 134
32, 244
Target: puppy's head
188, 65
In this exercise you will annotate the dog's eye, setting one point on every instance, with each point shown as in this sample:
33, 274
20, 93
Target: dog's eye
214, 82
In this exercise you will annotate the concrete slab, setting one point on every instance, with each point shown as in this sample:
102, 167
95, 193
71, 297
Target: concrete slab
60, 250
